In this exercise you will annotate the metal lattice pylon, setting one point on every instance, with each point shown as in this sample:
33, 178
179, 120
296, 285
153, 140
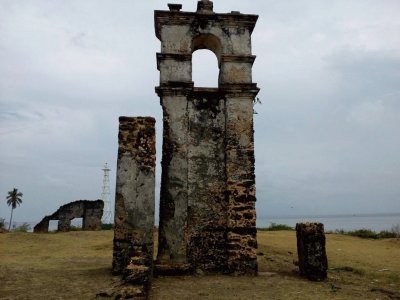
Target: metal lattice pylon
105, 196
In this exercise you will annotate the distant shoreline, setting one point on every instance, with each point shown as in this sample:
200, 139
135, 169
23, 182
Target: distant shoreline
375, 222
330, 215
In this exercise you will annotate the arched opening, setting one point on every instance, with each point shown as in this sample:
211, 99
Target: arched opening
205, 69
53, 225
206, 59
76, 224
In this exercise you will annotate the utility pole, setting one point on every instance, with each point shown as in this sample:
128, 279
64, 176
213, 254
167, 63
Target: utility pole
105, 196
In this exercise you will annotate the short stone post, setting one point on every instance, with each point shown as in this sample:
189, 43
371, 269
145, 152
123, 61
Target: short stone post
134, 200
313, 262
64, 224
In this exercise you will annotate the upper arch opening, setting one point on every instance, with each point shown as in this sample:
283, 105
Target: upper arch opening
205, 71
210, 42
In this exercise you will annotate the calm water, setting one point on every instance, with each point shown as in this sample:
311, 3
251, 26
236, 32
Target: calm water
376, 222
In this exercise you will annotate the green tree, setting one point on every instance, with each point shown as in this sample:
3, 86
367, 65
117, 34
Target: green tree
13, 198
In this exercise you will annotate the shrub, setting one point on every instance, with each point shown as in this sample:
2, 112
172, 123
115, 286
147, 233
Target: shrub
396, 230
276, 227
385, 234
370, 234
364, 233
2, 223
25, 227
107, 226
74, 228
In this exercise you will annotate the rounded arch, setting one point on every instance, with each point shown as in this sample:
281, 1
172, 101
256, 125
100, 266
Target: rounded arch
205, 71
210, 42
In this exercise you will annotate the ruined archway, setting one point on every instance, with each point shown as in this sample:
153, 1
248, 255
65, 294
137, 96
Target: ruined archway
207, 195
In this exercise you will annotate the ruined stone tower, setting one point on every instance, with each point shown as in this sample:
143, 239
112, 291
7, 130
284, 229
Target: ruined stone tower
207, 204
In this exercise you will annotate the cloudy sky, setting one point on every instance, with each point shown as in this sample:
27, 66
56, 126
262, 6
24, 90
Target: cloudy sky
327, 132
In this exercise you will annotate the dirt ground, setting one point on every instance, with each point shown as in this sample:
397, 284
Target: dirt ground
77, 265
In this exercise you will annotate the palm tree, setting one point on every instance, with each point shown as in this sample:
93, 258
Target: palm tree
13, 198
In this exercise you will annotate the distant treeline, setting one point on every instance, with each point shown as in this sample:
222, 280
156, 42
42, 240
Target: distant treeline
362, 233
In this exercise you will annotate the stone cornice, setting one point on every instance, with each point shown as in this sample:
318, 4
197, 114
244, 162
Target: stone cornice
238, 58
238, 20
172, 56
173, 88
245, 90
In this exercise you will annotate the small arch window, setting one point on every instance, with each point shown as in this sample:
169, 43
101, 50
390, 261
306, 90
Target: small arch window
205, 69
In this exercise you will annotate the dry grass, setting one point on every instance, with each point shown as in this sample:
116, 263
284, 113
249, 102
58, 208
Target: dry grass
77, 265
73, 265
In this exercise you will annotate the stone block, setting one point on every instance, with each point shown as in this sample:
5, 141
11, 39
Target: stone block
313, 262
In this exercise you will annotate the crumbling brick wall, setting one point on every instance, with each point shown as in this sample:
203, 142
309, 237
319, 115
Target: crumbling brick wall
134, 200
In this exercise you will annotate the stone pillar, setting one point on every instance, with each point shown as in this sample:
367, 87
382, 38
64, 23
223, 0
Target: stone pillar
207, 205
64, 224
134, 200
313, 262
241, 191
172, 236
207, 202
43, 226
93, 211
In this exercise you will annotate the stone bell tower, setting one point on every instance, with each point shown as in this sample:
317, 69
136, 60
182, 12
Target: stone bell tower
207, 205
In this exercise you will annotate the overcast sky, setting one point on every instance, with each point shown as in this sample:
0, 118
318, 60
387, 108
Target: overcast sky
327, 133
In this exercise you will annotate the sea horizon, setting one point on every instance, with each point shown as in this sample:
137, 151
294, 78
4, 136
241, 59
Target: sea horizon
332, 222
342, 221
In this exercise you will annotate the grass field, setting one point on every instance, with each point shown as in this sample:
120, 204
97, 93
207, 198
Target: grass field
77, 265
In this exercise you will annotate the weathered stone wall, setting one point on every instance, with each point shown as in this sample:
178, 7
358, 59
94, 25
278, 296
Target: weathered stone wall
240, 184
173, 206
90, 212
313, 262
134, 200
207, 203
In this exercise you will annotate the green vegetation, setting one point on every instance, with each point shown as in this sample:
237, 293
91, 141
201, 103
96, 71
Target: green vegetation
255, 102
276, 227
74, 228
13, 198
361, 233
2, 223
25, 227
107, 226
370, 234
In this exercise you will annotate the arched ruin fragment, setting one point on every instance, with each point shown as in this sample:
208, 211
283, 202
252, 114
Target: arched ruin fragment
90, 211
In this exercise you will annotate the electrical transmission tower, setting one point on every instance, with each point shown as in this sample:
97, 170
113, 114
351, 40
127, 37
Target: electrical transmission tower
105, 196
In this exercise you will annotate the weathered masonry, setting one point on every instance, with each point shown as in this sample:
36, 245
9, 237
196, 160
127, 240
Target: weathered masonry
90, 212
134, 200
207, 204
313, 262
